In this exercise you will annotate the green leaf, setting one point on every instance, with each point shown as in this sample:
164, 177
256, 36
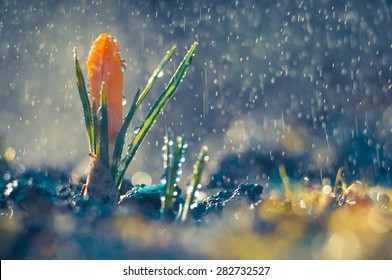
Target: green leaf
172, 171
118, 148
85, 102
155, 75
153, 114
104, 135
95, 129
166, 155
198, 168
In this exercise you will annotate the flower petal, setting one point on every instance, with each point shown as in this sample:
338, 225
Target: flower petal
104, 64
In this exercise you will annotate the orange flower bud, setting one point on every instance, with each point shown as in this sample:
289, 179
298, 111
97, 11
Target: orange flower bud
104, 64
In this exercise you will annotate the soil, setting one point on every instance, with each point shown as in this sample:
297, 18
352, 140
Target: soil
43, 216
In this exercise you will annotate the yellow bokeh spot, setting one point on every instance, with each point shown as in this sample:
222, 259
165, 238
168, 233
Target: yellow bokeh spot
9, 154
378, 221
343, 245
141, 177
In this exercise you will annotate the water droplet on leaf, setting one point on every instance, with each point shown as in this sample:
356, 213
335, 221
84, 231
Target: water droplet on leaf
163, 181
136, 130
124, 66
99, 113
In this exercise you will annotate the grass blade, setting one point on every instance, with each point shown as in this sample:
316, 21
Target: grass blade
155, 75
285, 180
198, 168
85, 102
104, 135
118, 148
166, 155
95, 129
173, 174
153, 114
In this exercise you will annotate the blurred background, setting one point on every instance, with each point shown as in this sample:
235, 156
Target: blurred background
307, 84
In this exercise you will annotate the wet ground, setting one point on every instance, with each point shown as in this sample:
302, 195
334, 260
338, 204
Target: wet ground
44, 217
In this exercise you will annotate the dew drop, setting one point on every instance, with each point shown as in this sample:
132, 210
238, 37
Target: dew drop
163, 181
136, 130
99, 113
124, 101
124, 66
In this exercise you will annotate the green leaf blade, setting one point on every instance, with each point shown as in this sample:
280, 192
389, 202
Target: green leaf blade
104, 134
95, 129
173, 177
155, 75
85, 102
153, 114
198, 169
118, 148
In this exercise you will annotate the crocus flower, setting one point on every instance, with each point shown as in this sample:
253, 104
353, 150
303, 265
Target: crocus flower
104, 64
105, 68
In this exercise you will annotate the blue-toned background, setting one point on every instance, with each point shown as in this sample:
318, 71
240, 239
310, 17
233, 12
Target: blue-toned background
304, 83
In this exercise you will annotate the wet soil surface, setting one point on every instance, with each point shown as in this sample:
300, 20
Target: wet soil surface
43, 216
